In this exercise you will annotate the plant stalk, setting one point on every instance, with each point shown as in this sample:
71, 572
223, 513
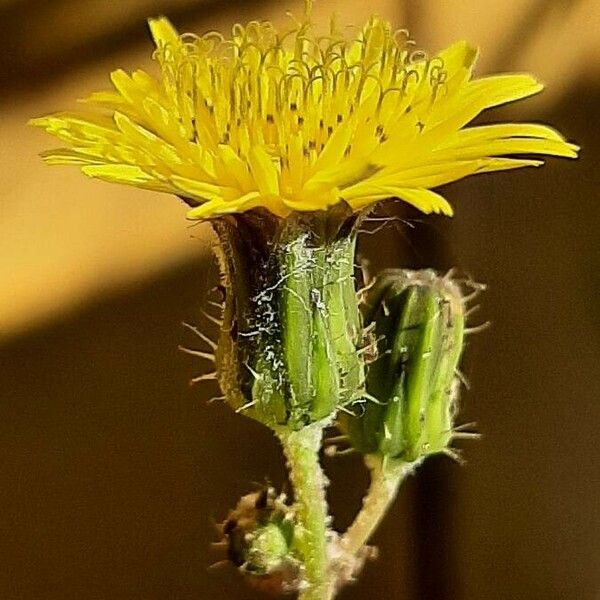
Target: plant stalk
386, 477
301, 449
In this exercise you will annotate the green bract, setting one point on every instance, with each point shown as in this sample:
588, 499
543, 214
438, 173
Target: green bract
287, 354
417, 319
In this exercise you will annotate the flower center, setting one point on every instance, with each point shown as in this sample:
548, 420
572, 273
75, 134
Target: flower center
292, 92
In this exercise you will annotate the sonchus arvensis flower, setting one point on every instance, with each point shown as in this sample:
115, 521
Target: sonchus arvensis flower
293, 135
285, 140
294, 121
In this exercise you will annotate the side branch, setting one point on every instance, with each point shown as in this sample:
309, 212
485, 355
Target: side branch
386, 478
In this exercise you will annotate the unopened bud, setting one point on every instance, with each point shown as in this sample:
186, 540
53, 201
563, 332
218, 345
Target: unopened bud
259, 533
411, 385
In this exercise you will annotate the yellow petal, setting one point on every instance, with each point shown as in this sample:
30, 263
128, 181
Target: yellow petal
296, 161
125, 85
454, 64
139, 136
236, 167
458, 59
505, 164
342, 175
433, 175
478, 96
126, 174
200, 190
264, 171
334, 148
163, 33
108, 99
506, 147
217, 207
484, 133
426, 201
64, 156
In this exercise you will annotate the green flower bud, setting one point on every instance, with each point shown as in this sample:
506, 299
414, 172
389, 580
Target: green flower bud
417, 320
259, 534
287, 348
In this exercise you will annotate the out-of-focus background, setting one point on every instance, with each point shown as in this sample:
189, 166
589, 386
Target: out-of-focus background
113, 471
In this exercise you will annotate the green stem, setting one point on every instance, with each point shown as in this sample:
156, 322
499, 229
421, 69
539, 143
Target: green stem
386, 477
301, 449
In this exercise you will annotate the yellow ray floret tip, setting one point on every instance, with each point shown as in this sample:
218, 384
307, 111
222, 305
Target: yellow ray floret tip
296, 120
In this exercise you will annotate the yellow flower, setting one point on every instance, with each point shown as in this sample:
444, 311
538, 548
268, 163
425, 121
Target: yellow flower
296, 122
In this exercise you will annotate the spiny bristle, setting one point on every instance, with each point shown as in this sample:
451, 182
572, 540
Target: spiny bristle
370, 398
466, 435
245, 406
462, 378
472, 310
219, 305
218, 565
360, 293
335, 439
478, 328
216, 399
333, 451
201, 335
455, 455
206, 355
212, 318
206, 377
464, 426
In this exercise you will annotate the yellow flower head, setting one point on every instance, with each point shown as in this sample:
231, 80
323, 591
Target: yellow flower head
294, 121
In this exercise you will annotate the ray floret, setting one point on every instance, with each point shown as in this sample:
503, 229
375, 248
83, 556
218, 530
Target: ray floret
297, 121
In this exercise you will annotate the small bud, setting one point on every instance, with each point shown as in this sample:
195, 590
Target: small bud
259, 534
411, 385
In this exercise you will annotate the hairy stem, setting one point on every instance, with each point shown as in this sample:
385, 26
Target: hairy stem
301, 449
386, 477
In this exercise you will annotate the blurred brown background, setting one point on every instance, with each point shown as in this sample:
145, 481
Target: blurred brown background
112, 470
